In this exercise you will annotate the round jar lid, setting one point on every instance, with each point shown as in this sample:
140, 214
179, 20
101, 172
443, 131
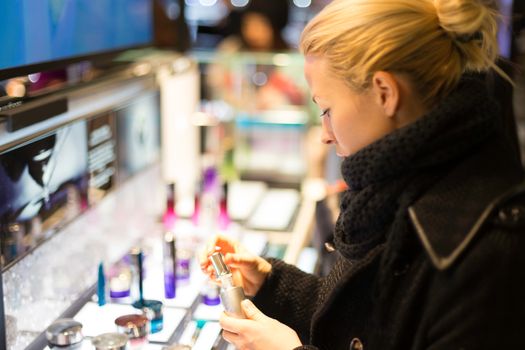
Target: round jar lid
64, 332
152, 309
110, 341
135, 326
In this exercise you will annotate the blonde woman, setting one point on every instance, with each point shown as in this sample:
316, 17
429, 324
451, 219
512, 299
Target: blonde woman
430, 238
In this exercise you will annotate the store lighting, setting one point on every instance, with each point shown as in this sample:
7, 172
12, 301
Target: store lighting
239, 3
259, 78
207, 3
302, 3
15, 88
33, 77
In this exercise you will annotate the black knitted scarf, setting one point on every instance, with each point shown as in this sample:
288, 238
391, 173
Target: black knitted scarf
380, 175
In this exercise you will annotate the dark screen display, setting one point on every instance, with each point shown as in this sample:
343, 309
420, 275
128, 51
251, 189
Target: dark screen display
39, 31
43, 185
138, 135
49, 181
101, 155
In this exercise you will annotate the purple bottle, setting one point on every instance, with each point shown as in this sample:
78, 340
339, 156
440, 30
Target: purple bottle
170, 265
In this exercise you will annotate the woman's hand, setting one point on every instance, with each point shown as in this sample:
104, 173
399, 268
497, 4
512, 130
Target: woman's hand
257, 331
249, 271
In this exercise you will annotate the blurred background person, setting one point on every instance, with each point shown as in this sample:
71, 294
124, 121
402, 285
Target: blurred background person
261, 27
261, 31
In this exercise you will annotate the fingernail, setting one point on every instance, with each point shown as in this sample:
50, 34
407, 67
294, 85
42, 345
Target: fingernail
246, 304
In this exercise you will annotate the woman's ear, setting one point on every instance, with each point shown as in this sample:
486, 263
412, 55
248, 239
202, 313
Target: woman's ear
387, 92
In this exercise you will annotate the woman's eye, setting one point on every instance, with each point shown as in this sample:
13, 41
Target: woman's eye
325, 113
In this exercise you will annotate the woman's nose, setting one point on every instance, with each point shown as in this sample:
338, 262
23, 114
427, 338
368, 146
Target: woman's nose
327, 137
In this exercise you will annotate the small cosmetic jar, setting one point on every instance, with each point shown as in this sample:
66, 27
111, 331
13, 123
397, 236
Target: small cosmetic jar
136, 327
119, 285
210, 294
152, 309
65, 332
110, 341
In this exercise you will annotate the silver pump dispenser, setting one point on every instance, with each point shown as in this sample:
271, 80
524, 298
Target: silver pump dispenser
217, 260
231, 295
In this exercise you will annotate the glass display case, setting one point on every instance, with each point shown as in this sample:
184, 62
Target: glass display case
53, 175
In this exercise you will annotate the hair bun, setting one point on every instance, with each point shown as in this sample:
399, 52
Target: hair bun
360, 37
473, 26
460, 17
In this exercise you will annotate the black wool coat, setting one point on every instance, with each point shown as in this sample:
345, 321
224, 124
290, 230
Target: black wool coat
460, 283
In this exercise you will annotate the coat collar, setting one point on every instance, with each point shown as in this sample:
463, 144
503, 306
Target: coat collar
450, 214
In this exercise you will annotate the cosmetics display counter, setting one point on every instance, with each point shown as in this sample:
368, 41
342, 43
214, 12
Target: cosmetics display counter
90, 187
59, 177
40, 288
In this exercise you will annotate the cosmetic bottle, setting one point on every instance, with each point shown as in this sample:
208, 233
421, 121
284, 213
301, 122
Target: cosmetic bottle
136, 261
170, 215
153, 310
183, 271
12, 246
170, 265
209, 201
210, 294
120, 278
101, 285
224, 217
231, 295
199, 324
196, 204
170, 198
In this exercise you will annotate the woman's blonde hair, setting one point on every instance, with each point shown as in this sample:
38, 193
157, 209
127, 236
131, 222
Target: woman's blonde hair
433, 41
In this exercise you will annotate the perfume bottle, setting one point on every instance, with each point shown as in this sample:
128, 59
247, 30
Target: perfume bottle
231, 295
120, 279
170, 265
196, 204
224, 218
209, 201
170, 215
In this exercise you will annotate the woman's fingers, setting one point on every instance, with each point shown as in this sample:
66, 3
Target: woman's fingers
214, 244
239, 259
232, 324
230, 337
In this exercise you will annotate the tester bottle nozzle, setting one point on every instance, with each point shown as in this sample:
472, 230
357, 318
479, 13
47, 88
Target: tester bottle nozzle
231, 296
